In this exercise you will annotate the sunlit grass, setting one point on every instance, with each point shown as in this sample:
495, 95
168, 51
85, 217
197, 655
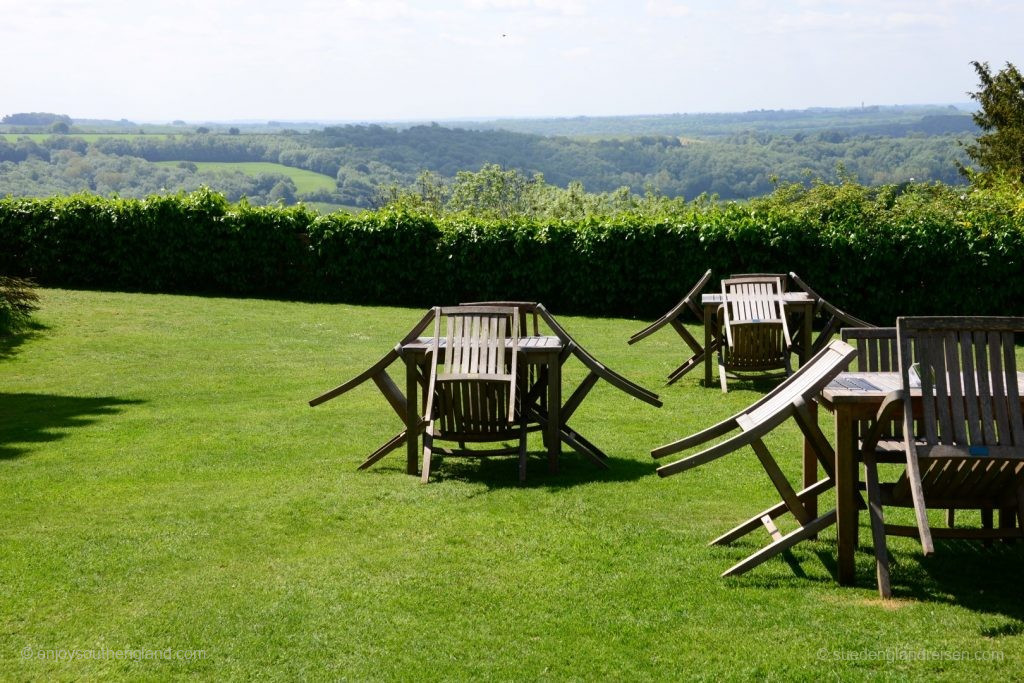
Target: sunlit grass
165, 485
305, 181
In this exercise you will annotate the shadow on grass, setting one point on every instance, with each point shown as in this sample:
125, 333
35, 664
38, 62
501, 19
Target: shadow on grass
573, 470
980, 577
761, 385
41, 418
501, 472
10, 343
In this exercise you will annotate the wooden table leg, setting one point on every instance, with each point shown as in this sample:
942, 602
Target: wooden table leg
846, 494
412, 416
810, 469
554, 440
708, 315
806, 332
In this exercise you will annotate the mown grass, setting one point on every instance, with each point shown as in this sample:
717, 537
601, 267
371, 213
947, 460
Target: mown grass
165, 485
305, 181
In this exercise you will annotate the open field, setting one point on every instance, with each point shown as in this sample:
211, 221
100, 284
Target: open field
165, 485
305, 181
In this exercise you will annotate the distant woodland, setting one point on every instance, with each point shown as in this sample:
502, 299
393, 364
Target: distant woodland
733, 156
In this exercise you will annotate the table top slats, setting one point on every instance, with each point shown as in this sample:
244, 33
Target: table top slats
872, 387
526, 344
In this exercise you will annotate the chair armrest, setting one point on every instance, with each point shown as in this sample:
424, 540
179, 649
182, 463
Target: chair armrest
888, 410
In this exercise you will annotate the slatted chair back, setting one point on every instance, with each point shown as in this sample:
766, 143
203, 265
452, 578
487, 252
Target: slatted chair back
783, 278
969, 451
475, 385
755, 331
527, 314
877, 351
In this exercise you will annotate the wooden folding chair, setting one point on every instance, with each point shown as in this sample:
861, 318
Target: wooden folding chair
791, 399
754, 332
378, 373
968, 452
689, 303
827, 318
471, 391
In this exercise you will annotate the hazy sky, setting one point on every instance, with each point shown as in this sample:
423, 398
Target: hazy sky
436, 59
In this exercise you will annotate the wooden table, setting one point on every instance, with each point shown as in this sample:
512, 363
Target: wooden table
544, 352
794, 302
852, 397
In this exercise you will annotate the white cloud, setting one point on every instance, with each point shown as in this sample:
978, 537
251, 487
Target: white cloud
569, 8
488, 5
907, 20
566, 7
576, 53
667, 8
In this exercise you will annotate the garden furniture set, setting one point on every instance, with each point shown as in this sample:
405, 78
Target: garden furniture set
936, 401
539, 398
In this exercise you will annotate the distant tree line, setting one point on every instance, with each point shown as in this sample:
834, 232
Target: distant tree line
363, 160
897, 120
36, 118
29, 170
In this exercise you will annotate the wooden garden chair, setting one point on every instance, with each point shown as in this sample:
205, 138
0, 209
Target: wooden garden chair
791, 399
827, 318
754, 332
689, 303
471, 391
969, 449
394, 396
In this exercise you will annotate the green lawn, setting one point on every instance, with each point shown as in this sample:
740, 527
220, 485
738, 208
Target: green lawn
165, 485
305, 181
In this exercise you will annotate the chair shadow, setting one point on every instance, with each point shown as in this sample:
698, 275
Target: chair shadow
41, 418
982, 578
978, 577
502, 472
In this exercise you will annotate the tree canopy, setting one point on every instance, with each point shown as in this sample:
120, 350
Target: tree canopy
999, 151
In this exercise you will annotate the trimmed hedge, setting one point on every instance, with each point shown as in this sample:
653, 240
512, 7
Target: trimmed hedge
877, 253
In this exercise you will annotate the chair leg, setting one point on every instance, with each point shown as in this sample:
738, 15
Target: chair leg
877, 526
1020, 508
721, 378
428, 447
782, 543
757, 521
395, 441
690, 364
1008, 522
